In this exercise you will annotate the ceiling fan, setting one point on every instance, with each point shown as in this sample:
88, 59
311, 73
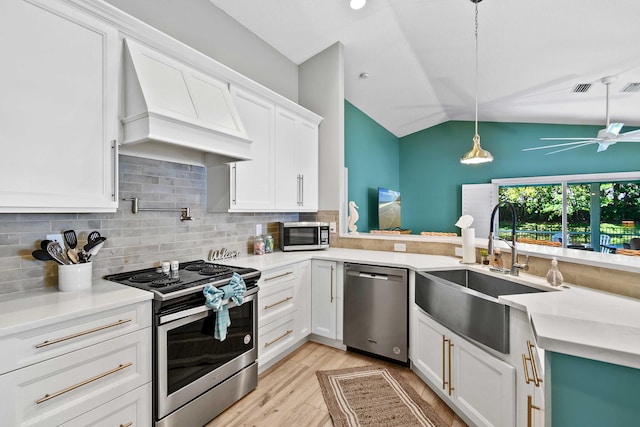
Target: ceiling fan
606, 137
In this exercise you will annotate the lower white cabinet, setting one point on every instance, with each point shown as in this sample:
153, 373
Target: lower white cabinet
529, 384
283, 311
326, 299
80, 371
479, 385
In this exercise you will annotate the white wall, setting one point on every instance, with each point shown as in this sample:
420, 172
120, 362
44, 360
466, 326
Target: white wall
204, 27
321, 90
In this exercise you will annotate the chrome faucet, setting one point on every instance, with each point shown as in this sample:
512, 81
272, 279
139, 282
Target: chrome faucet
515, 266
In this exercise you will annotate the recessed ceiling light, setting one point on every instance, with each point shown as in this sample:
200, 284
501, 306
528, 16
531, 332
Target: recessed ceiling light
357, 4
364, 76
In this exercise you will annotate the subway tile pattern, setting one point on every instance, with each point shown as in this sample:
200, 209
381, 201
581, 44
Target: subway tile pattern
134, 241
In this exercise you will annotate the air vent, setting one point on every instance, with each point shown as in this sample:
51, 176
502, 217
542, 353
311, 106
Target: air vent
581, 88
631, 87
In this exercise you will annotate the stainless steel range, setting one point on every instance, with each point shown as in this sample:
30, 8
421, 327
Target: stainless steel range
196, 376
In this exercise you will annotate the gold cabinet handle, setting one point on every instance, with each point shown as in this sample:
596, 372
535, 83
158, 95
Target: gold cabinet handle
266, 279
331, 284
129, 424
267, 307
267, 344
450, 380
536, 378
79, 334
530, 406
85, 382
447, 369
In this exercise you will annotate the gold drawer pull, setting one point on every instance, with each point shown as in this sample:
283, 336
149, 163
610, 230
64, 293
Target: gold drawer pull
266, 279
85, 382
536, 378
267, 307
79, 334
267, 344
129, 424
530, 406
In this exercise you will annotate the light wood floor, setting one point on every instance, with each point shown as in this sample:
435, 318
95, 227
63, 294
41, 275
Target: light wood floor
288, 394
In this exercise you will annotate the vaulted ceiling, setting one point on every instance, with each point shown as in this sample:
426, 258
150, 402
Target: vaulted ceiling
420, 56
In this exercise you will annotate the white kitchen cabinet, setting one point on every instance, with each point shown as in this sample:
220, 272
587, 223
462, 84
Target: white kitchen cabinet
529, 384
61, 373
59, 108
296, 162
326, 299
479, 385
283, 175
283, 314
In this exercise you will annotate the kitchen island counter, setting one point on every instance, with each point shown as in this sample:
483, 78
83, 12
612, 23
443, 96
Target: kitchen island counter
569, 319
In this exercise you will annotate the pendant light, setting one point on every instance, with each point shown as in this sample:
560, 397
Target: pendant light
477, 154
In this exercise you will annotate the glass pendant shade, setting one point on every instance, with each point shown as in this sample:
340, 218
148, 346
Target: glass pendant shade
357, 4
477, 154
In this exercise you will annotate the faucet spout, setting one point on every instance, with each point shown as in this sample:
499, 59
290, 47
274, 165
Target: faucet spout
515, 266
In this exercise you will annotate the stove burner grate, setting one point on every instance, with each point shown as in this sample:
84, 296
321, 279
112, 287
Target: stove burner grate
165, 281
214, 270
147, 277
196, 266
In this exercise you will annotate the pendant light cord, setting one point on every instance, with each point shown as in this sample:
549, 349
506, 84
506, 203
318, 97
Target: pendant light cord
476, 68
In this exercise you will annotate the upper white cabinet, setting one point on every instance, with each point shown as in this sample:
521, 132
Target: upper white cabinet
283, 173
58, 110
296, 162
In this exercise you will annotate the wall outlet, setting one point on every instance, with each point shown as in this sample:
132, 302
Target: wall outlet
332, 227
400, 247
458, 251
258, 229
58, 238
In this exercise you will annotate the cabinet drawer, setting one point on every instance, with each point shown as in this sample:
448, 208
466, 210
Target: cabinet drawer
36, 345
132, 409
59, 389
275, 338
271, 278
278, 302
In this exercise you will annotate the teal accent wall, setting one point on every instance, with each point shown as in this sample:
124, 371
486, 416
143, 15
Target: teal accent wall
586, 392
425, 166
431, 175
372, 157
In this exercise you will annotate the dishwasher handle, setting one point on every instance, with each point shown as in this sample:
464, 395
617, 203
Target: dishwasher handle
373, 276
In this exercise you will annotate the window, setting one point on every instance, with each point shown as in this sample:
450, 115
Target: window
588, 212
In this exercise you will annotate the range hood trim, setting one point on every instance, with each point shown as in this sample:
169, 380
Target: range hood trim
145, 121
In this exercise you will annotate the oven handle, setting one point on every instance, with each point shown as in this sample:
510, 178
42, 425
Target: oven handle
202, 309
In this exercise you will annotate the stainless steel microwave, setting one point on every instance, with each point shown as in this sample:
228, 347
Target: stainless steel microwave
304, 236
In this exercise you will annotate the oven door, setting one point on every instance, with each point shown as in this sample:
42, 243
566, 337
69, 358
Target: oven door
190, 361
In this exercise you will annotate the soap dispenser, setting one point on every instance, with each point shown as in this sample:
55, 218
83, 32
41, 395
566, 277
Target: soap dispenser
554, 277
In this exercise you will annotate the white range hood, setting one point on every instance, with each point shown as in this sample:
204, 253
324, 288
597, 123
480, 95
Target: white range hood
174, 112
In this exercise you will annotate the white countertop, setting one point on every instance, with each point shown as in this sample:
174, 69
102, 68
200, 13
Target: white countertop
574, 320
21, 311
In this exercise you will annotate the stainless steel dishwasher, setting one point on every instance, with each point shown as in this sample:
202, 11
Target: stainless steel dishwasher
375, 310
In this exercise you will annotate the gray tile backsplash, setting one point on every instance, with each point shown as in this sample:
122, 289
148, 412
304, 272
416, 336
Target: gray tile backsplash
133, 241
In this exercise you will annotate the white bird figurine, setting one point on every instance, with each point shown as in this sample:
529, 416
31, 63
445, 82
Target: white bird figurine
353, 217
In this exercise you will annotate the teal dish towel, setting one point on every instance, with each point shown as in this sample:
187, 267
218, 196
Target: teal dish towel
217, 298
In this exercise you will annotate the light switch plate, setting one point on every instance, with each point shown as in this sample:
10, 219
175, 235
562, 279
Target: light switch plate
400, 247
258, 229
58, 238
459, 251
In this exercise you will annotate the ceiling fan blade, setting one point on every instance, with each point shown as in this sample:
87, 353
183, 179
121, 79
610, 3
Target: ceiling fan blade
571, 148
633, 136
568, 139
602, 146
564, 144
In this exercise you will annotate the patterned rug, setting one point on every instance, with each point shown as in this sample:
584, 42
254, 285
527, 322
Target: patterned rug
374, 396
